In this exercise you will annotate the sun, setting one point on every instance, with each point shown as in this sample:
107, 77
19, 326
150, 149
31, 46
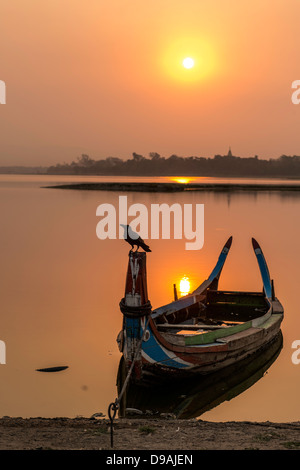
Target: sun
184, 286
189, 60
188, 63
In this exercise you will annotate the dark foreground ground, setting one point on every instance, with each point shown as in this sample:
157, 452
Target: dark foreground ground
143, 434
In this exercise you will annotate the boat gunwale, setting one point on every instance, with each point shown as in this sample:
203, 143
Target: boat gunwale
204, 338
213, 345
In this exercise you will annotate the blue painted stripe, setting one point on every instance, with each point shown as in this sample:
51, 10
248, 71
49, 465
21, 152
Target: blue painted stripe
264, 272
133, 328
151, 347
219, 264
154, 350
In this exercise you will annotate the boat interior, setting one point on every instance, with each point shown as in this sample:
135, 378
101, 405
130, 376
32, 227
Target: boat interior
215, 309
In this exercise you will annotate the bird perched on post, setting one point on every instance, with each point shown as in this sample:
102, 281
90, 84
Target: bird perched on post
133, 238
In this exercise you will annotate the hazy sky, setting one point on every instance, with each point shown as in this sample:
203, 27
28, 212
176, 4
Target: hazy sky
105, 78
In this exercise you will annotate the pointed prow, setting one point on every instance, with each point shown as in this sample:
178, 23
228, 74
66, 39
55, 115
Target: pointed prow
216, 272
264, 270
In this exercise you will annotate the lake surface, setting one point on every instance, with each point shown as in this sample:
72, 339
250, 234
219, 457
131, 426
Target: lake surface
60, 289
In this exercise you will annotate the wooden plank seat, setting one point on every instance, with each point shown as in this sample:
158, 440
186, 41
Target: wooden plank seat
198, 326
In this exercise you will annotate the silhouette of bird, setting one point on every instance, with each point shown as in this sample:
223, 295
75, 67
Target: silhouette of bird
133, 238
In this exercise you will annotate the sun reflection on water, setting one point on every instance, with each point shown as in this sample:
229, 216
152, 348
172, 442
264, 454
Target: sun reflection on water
182, 179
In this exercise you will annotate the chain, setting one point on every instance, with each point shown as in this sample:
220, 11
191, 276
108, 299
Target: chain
114, 406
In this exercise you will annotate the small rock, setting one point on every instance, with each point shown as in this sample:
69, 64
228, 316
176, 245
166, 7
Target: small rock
97, 415
133, 411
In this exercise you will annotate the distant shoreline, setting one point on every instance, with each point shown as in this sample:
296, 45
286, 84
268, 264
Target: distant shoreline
168, 175
174, 187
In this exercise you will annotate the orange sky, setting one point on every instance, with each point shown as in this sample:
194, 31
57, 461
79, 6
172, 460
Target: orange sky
104, 78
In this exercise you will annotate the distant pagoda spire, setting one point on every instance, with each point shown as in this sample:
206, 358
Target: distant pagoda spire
229, 152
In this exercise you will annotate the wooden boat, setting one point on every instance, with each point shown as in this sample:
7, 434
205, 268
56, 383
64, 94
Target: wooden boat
200, 333
196, 395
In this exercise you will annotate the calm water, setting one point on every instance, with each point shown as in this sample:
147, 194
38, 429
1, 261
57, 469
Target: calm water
60, 289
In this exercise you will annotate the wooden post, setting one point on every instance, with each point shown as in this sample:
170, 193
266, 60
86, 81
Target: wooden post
135, 308
136, 292
175, 292
273, 290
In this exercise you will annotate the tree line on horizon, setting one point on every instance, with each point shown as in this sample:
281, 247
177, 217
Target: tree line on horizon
156, 165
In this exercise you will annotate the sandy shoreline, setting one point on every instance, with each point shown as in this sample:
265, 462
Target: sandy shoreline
145, 434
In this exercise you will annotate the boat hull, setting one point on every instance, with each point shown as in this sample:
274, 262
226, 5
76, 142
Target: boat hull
162, 359
200, 333
192, 397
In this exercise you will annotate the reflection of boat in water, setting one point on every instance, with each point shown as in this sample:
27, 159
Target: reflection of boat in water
193, 397
201, 333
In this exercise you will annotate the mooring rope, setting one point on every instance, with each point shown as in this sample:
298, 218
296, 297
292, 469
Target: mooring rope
135, 311
114, 406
